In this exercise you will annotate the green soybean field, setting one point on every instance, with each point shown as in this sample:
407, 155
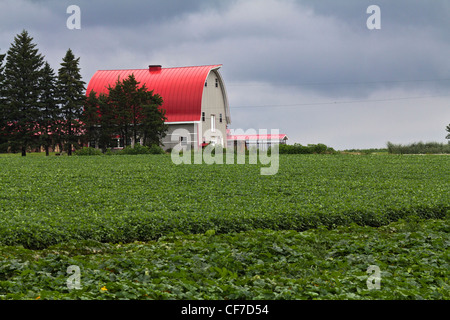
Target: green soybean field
142, 227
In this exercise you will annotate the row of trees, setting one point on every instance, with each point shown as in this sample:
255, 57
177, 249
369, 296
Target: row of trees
39, 108
419, 148
36, 106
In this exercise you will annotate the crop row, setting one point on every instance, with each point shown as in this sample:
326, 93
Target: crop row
49, 200
412, 258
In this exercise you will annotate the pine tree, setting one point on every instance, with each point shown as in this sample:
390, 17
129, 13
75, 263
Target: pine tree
71, 94
152, 124
22, 91
132, 96
118, 111
135, 111
108, 121
49, 109
448, 130
3, 123
90, 118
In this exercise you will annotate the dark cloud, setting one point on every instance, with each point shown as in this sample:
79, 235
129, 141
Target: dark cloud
275, 52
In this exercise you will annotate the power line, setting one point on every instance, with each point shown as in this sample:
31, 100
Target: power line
235, 84
337, 102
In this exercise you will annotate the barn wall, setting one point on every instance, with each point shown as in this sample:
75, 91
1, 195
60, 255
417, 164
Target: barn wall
213, 104
172, 135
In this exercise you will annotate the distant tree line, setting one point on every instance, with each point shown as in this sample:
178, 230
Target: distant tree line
297, 148
41, 109
419, 148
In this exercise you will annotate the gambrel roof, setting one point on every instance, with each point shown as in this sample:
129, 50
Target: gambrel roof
181, 88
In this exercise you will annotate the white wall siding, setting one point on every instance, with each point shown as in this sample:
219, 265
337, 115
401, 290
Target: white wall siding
214, 104
172, 138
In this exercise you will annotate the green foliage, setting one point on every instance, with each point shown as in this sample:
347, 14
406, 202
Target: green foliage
88, 151
106, 126
309, 149
419, 148
128, 110
366, 151
152, 126
72, 98
50, 114
155, 149
136, 149
21, 91
90, 118
259, 264
448, 135
3, 108
143, 228
48, 200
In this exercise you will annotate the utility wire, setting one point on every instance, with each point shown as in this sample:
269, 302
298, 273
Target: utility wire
235, 84
337, 102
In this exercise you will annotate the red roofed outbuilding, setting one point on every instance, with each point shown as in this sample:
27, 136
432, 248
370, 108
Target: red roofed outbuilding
251, 139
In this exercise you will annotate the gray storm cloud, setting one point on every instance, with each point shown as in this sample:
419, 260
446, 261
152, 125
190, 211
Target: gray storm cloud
284, 62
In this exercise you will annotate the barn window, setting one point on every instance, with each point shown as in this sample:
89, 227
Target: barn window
217, 83
220, 118
203, 116
213, 123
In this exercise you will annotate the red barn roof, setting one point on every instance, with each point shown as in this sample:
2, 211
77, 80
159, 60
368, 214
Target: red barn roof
180, 88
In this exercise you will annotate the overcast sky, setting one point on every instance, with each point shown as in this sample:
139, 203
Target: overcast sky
310, 68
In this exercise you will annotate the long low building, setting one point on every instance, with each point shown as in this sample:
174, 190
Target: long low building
194, 98
261, 141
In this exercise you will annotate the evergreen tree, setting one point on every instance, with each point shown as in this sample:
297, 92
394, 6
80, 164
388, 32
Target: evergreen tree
153, 127
118, 111
3, 124
22, 91
71, 93
90, 118
136, 112
49, 111
108, 123
133, 97
127, 110
448, 130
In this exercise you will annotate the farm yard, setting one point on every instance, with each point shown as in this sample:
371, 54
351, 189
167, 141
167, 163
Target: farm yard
141, 227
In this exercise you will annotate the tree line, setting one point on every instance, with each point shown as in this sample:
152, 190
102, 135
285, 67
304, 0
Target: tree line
39, 108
